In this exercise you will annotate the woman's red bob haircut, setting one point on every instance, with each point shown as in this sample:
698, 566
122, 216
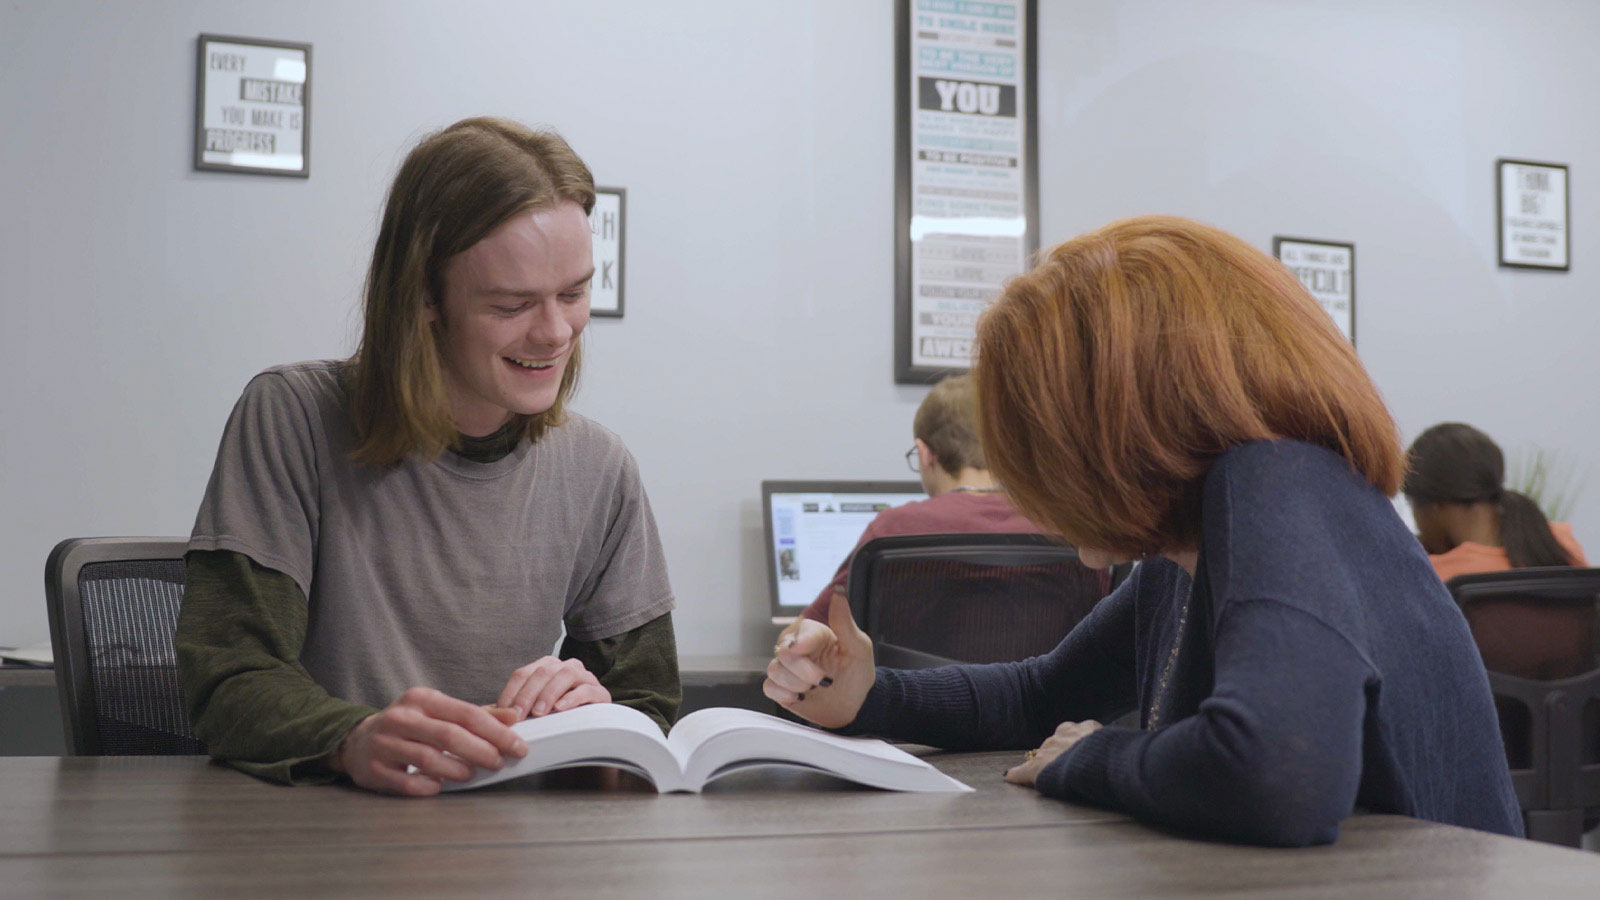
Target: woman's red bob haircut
1114, 373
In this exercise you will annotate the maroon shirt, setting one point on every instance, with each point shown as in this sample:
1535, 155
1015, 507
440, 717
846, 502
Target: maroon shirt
953, 512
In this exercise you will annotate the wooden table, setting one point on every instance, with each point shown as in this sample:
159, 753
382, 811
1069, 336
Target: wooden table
131, 827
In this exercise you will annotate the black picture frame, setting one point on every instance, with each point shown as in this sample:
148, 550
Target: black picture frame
622, 252
904, 371
1500, 215
199, 150
1277, 246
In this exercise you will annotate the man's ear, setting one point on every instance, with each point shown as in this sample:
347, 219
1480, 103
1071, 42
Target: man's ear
927, 460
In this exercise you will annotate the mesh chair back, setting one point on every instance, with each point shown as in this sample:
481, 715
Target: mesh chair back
971, 598
113, 610
1536, 630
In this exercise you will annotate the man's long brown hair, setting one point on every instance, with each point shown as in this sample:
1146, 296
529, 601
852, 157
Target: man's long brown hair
1115, 372
453, 189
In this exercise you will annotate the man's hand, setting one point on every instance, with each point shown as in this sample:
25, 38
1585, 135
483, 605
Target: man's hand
1067, 734
551, 685
822, 672
442, 737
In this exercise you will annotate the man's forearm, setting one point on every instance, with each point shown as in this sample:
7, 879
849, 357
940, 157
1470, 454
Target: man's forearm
639, 668
238, 642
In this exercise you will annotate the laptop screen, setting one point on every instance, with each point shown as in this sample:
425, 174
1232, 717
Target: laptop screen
811, 526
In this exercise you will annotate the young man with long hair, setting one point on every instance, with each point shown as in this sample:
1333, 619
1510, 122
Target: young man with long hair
390, 545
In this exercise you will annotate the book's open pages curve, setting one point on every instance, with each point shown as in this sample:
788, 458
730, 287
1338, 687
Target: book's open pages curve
600, 734
718, 741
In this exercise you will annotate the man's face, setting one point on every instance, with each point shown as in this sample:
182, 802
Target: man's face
514, 304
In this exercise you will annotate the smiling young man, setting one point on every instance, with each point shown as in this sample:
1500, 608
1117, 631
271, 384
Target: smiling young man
390, 545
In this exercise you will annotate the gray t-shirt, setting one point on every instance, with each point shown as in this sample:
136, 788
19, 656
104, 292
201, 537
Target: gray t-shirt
446, 574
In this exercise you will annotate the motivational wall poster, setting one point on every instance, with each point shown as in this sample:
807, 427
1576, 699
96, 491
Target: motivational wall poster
606, 221
1532, 200
1328, 270
967, 184
253, 106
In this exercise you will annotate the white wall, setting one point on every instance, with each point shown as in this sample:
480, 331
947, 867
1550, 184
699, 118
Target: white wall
755, 142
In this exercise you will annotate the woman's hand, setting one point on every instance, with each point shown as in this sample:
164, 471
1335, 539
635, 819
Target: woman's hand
551, 685
442, 737
1067, 734
822, 672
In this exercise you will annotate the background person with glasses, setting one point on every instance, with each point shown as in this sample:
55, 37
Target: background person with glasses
962, 496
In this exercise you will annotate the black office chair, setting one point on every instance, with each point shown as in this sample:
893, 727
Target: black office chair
1536, 630
113, 605
935, 599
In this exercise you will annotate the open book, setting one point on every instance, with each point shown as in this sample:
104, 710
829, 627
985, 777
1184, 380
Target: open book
704, 746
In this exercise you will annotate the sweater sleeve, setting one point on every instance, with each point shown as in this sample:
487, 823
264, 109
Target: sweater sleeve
996, 706
1272, 757
639, 668
240, 631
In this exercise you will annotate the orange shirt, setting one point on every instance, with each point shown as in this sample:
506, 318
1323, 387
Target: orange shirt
1468, 558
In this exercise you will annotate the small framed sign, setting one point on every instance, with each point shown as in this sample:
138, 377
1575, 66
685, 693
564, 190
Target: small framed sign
252, 106
608, 222
1328, 270
1531, 204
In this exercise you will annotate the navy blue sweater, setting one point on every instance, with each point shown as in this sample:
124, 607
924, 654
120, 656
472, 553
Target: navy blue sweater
1323, 668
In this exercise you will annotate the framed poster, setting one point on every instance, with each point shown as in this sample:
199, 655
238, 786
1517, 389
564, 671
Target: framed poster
252, 106
966, 172
1328, 270
1532, 201
608, 222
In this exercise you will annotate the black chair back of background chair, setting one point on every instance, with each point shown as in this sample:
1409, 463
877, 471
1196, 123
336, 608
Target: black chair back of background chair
1536, 630
935, 599
113, 605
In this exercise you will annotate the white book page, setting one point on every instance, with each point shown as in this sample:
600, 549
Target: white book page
695, 728
596, 734
715, 742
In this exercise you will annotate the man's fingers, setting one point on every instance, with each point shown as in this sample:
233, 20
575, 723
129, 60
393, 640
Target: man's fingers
554, 689
428, 760
508, 694
531, 689
444, 735
582, 695
394, 779
504, 714
476, 720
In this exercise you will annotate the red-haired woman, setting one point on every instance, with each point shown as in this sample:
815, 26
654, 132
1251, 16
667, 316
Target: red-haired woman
1159, 390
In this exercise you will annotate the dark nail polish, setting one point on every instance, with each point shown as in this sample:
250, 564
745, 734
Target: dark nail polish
799, 697
827, 682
